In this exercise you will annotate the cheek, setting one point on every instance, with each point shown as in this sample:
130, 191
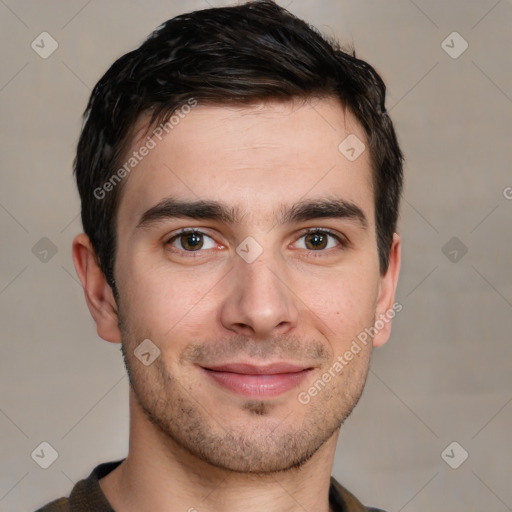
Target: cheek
344, 306
160, 302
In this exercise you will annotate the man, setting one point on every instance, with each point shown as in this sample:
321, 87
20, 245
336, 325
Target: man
240, 181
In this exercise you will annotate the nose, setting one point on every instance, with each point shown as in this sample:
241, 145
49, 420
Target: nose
259, 302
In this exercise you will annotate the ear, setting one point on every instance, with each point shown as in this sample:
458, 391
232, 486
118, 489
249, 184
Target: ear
98, 293
386, 308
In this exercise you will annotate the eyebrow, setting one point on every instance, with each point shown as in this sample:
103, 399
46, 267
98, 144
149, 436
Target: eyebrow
305, 210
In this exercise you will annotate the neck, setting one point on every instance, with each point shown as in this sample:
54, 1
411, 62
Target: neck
160, 475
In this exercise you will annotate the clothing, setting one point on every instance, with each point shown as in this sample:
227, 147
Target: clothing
87, 496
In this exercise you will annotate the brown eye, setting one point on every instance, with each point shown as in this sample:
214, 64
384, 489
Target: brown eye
192, 241
320, 240
316, 240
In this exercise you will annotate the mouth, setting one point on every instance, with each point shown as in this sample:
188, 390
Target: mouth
255, 381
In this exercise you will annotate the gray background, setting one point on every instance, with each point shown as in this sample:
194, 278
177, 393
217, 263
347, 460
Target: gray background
446, 373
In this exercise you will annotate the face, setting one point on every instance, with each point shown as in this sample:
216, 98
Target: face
247, 254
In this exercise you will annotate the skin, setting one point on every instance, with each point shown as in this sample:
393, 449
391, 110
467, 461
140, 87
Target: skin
194, 444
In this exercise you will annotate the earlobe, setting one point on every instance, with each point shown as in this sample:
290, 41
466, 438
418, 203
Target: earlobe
386, 308
98, 293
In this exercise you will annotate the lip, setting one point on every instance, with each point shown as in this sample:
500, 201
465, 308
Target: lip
258, 381
251, 369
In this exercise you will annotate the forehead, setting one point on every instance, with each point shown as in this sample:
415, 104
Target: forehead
253, 157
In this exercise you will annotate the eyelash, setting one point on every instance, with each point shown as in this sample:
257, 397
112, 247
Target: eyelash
343, 242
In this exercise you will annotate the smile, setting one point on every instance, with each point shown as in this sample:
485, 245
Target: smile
258, 382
